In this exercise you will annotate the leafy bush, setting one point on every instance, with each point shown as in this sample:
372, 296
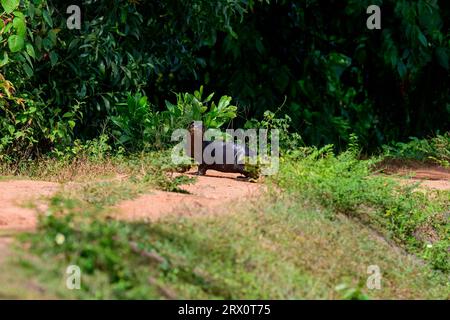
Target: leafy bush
288, 141
345, 184
29, 127
436, 149
138, 126
334, 78
30, 123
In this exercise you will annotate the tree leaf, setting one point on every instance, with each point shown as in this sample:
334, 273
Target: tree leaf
442, 57
422, 39
28, 70
47, 18
16, 43
10, 5
30, 50
401, 68
5, 60
53, 58
20, 25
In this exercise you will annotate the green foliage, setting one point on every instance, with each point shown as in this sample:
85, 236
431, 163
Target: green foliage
288, 141
336, 76
134, 120
347, 185
26, 125
335, 79
30, 124
139, 126
436, 149
193, 107
272, 249
351, 293
93, 150
126, 47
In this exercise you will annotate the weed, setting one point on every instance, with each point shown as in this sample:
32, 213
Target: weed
344, 184
436, 150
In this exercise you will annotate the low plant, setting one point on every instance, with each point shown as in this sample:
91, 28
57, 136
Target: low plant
344, 184
435, 149
287, 141
138, 126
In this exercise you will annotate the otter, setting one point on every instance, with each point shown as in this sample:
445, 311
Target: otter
239, 153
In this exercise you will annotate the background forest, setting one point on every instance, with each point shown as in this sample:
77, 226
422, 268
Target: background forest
87, 179
312, 61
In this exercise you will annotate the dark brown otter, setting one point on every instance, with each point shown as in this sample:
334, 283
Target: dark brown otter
239, 153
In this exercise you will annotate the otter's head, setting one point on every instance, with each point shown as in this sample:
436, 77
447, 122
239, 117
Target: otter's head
196, 127
196, 132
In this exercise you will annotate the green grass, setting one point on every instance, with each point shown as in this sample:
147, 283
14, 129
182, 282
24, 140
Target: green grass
265, 249
312, 236
414, 219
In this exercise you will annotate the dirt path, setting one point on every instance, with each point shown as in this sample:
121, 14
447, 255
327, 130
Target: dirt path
211, 194
431, 177
14, 195
214, 190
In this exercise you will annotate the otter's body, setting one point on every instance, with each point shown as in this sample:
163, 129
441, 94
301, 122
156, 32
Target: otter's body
236, 165
217, 155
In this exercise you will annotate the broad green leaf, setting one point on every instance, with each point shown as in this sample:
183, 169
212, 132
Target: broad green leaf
20, 25
209, 97
401, 68
28, 70
5, 60
53, 58
10, 5
31, 10
48, 18
16, 43
106, 103
18, 14
71, 124
47, 44
7, 28
38, 43
52, 35
422, 39
442, 57
30, 50
27, 57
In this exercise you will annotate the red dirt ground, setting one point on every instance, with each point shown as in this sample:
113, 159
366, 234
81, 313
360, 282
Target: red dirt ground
429, 176
216, 189
14, 195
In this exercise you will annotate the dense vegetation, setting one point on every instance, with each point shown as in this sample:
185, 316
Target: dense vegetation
94, 109
314, 240
314, 61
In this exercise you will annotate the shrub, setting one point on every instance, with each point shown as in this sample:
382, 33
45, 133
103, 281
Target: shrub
137, 125
343, 183
436, 149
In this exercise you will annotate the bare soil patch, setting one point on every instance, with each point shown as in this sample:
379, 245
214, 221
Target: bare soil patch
14, 196
428, 175
212, 191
